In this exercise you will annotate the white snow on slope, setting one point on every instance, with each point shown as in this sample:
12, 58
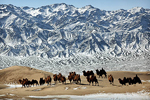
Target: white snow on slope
60, 36
78, 63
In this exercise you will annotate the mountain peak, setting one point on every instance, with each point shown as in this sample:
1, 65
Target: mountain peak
59, 4
88, 7
25, 7
137, 9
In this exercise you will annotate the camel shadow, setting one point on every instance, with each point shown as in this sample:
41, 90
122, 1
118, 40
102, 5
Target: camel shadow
117, 85
83, 84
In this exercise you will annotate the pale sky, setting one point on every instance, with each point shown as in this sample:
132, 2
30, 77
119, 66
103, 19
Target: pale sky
101, 4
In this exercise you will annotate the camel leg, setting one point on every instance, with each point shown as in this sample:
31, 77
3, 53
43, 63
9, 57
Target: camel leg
80, 81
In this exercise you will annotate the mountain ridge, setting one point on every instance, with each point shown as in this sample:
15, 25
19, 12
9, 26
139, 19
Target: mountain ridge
64, 30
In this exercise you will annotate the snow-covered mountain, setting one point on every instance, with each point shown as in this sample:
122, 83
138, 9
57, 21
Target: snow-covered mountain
63, 31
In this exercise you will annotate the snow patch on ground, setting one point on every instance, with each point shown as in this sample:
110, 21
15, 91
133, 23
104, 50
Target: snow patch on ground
145, 80
105, 96
13, 85
66, 88
2, 95
80, 87
148, 80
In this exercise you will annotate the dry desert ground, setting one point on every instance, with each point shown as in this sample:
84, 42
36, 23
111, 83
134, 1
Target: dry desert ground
12, 75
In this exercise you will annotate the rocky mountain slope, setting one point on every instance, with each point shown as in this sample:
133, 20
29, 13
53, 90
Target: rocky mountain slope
63, 31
